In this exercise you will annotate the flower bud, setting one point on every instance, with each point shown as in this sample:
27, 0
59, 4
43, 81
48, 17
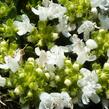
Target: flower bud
40, 43
30, 59
67, 70
101, 30
39, 70
21, 75
11, 93
3, 43
68, 62
94, 11
67, 82
18, 90
91, 44
76, 66
47, 75
57, 78
106, 66
29, 94
55, 36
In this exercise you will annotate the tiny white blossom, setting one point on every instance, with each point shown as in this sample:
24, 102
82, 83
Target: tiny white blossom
49, 11
82, 51
24, 26
89, 86
50, 58
2, 81
56, 56
42, 56
11, 62
64, 27
86, 28
55, 100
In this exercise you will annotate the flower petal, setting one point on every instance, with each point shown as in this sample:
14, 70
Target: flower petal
95, 98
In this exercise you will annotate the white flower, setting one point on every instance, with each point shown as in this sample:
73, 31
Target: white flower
102, 4
86, 28
42, 56
50, 101
66, 100
11, 62
89, 86
42, 12
2, 81
49, 11
83, 51
64, 27
50, 58
108, 53
24, 26
55, 100
56, 56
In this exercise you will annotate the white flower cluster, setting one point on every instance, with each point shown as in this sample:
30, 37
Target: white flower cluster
89, 86
49, 11
54, 58
50, 59
24, 26
82, 49
64, 27
55, 100
12, 62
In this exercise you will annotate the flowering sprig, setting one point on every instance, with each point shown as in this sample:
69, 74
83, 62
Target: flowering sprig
12, 62
89, 86
82, 49
50, 11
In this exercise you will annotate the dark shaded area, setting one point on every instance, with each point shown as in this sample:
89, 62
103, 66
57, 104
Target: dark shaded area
91, 105
8, 103
62, 40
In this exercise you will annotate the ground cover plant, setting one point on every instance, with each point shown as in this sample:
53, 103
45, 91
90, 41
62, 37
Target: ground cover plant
54, 54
